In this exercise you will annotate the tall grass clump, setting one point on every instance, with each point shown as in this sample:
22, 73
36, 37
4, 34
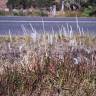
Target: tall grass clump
50, 65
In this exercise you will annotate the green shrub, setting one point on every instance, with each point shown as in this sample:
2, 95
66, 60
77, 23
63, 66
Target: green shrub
89, 11
39, 13
2, 13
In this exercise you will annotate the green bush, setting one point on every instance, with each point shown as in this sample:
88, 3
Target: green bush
16, 14
39, 13
2, 13
43, 13
19, 13
88, 11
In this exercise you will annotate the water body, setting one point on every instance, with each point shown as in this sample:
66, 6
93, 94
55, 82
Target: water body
20, 25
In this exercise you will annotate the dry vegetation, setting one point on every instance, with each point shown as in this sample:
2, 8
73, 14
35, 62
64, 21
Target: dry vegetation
49, 65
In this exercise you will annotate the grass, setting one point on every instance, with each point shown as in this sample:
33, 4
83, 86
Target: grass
47, 66
38, 12
69, 13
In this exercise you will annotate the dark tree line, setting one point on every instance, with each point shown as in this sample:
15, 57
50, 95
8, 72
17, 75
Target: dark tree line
45, 3
19, 4
88, 6
28, 3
